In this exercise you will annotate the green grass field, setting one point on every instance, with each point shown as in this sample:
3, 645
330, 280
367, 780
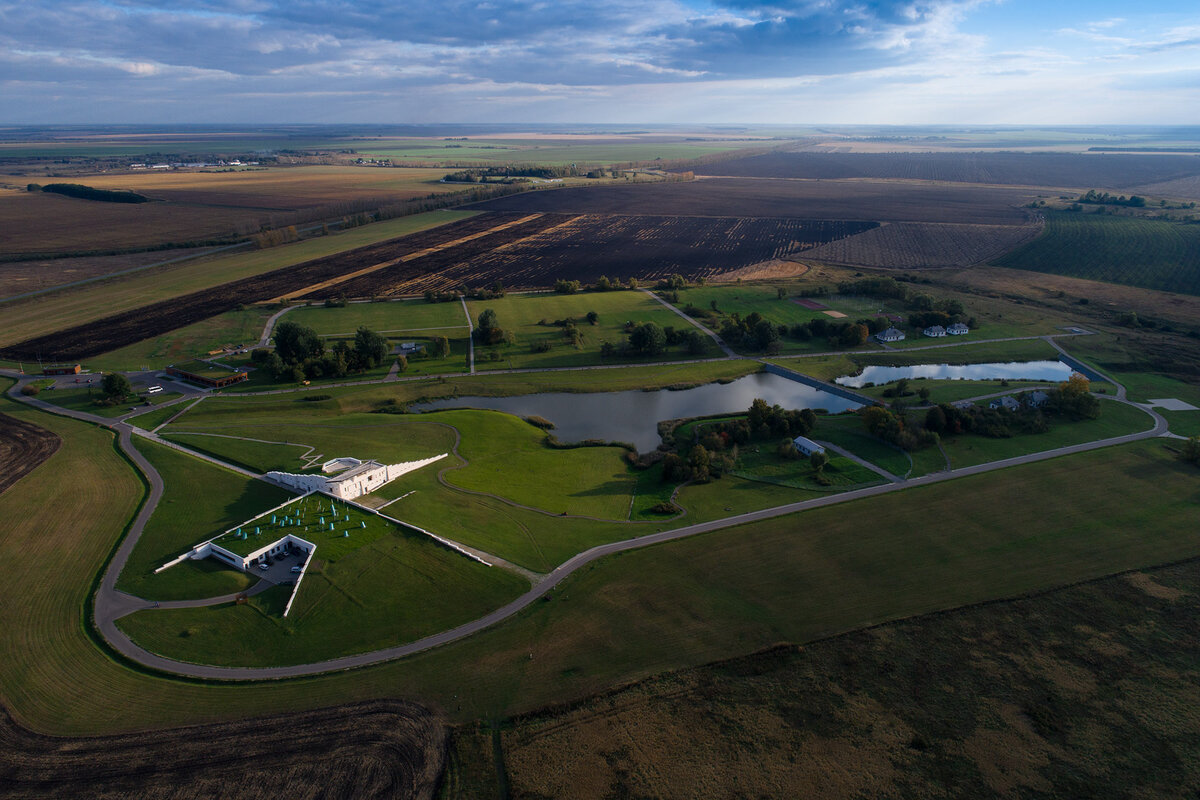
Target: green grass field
634, 615
84, 399
828, 368
388, 318
180, 522
397, 587
57, 310
1152, 254
846, 430
231, 329
523, 314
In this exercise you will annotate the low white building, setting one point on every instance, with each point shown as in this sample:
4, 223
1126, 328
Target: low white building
1008, 403
957, 329
356, 477
290, 543
936, 331
807, 446
890, 335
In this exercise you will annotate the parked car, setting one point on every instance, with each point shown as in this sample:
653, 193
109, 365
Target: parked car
264, 567
297, 569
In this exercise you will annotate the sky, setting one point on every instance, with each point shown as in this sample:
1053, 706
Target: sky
600, 61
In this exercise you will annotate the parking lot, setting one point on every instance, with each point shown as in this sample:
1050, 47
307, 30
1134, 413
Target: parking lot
280, 570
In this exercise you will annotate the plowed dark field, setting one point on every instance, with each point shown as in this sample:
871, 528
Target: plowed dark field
1108, 171
875, 201
584, 247
384, 749
132, 326
23, 447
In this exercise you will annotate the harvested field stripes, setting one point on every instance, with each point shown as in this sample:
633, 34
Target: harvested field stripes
909, 245
411, 256
584, 247
131, 326
23, 448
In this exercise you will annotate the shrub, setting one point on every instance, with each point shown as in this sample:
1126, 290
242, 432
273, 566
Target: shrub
316, 398
29, 390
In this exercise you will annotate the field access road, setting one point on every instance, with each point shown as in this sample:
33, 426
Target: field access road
111, 604
694, 323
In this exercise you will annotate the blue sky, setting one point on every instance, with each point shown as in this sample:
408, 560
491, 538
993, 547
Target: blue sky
678, 61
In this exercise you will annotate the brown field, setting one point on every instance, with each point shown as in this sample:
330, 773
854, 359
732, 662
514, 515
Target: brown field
137, 324
193, 206
913, 245
19, 277
385, 749
876, 201
1183, 188
586, 246
1075, 170
1088, 691
23, 447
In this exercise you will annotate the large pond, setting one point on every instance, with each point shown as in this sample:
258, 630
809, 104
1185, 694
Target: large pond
633, 416
1011, 370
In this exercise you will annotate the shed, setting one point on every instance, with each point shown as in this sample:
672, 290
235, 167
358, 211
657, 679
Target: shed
807, 446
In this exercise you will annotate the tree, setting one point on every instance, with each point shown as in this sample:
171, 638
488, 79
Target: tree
700, 459
593, 317
696, 342
370, 348
1191, 451
566, 287
648, 339
441, 347
818, 459
116, 387
935, 419
295, 343
488, 331
402, 362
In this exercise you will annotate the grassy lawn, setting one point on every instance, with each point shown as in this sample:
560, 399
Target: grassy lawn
182, 520
509, 457
846, 431
524, 313
152, 419
382, 317
57, 310
947, 391
230, 329
397, 587
1116, 419
335, 527
84, 399
638, 614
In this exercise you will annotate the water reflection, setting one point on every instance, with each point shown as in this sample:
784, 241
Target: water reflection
1011, 370
633, 416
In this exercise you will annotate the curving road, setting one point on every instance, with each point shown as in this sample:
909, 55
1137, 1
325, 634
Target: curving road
111, 604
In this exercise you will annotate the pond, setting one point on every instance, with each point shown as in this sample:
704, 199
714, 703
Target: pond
1011, 370
633, 416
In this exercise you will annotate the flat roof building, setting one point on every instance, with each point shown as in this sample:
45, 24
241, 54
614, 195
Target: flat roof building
205, 373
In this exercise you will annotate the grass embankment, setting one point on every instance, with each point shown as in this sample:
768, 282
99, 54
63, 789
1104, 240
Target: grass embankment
523, 314
84, 399
199, 501
1152, 254
152, 419
53, 311
506, 457
631, 616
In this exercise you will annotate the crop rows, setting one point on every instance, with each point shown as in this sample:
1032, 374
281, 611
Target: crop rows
911, 245
23, 447
1152, 254
1021, 169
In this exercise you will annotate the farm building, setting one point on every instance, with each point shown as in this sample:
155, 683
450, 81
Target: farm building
890, 335
1008, 403
807, 446
1037, 399
355, 477
936, 331
61, 369
957, 329
205, 373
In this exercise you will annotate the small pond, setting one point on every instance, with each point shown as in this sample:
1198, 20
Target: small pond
1011, 370
633, 416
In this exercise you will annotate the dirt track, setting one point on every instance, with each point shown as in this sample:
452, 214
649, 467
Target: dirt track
381, 749
22, 448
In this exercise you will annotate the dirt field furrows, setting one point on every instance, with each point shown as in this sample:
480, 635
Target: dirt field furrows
137, 324
863, 200
385, 749
1094, 170
911, 245
584, 247
23, 447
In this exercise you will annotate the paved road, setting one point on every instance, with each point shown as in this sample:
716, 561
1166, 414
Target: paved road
694, 323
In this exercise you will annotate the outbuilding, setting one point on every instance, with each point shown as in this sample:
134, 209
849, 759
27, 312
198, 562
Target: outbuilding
807, 446
61, 369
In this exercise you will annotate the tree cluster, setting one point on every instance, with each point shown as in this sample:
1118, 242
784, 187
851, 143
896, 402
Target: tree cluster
300, 354
1106, 199
488, 331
